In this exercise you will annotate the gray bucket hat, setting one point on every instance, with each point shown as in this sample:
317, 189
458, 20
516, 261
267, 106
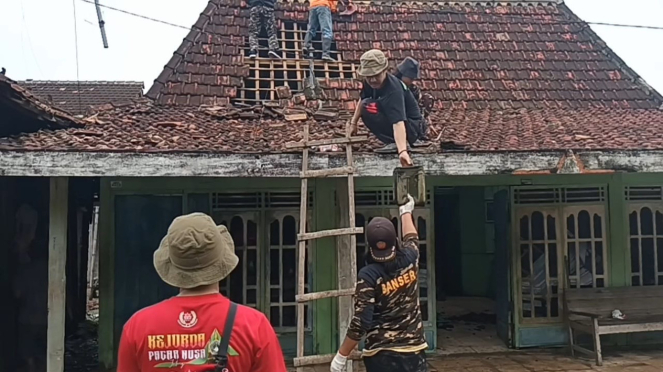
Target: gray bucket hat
195, 252
372, 63
409, 68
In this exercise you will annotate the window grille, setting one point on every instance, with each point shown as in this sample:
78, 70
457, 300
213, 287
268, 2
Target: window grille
643, 193
538, 247
646, 243
535, 195
586, 249
282, 271
546, 236
377, 198
242, 285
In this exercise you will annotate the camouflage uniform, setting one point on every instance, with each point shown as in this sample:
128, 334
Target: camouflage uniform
388, 313
262, 15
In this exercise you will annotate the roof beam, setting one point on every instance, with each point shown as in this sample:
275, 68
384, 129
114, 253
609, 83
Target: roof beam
96, 164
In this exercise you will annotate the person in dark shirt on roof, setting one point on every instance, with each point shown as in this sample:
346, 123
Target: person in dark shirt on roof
408, 72
387, 309
262, 14
387, 107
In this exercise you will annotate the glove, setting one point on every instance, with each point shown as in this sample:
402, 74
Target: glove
338, 363
407, 207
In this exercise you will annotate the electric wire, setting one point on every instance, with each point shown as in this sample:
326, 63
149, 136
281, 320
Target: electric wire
433, 11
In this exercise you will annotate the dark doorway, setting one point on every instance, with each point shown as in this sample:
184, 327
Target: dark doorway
448, 256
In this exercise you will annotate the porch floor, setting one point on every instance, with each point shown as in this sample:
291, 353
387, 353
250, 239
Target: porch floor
466, 325
543, 360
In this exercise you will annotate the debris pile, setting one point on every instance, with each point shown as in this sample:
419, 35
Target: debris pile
289, 107
82, 349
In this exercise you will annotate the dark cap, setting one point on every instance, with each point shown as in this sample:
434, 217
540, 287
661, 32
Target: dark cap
409, 68
382, 239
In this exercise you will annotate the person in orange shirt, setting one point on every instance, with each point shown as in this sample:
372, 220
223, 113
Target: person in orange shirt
320, 16
198, 330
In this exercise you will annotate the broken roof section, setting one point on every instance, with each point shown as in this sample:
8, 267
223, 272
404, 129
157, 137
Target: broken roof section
473, 55
23, 112
146, 127
79, 97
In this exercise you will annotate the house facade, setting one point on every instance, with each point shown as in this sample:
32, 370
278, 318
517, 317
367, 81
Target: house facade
544, 171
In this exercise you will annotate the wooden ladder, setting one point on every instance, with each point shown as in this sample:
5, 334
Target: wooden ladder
347, 268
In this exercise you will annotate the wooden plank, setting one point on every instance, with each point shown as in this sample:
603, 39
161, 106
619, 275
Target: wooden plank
321, 173
116, 164
580, 293
57, 263
630, 328
301, 262
321, 359
324, 294
328, 233
323, 142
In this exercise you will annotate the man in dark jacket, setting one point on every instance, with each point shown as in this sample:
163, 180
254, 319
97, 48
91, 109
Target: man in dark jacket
262, 14
408, 72
387, 309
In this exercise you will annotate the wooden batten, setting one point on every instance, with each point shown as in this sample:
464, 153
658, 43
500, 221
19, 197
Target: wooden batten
57, 262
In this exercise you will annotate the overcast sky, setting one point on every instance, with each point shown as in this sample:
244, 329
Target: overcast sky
37, 39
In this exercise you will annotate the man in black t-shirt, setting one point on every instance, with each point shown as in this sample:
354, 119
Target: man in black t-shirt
387, 107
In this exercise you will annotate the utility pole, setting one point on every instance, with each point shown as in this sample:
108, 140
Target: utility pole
101, 23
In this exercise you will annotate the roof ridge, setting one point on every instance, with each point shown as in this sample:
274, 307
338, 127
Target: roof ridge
109, 82
178, 55
623, 66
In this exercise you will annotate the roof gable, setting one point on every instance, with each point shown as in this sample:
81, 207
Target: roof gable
520, 54
77, 97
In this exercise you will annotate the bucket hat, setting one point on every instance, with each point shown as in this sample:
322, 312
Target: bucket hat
195, 252
409, 68
372, 63
382, 239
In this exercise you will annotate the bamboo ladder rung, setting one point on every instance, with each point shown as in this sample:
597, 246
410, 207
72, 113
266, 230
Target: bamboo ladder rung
328, 233
321, 359
324, 142
326, 294
322, 173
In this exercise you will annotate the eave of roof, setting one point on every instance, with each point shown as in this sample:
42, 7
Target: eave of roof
27, 113
110, 164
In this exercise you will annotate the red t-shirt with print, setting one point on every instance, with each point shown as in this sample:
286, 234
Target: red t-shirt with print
177, 334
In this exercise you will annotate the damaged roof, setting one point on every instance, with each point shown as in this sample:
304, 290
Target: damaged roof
23, 112
78, 97
516, 77
472, 55
146, 127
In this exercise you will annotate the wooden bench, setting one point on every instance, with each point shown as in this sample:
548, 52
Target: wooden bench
589, 310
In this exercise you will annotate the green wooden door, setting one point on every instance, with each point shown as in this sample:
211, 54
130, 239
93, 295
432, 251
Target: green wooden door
141, 221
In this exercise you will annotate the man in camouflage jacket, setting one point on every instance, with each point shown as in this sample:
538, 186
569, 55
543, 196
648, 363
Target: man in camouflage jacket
387, 309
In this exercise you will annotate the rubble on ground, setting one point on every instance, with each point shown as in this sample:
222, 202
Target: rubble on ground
82, 349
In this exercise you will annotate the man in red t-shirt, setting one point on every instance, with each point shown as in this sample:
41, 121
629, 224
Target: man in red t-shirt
188, 332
